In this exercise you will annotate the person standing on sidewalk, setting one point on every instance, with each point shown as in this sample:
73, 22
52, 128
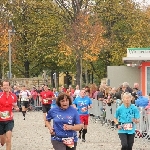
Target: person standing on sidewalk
82, 103
46, 97
8, 100
126, 116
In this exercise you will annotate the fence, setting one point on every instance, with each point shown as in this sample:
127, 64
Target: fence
34, 104
107, 115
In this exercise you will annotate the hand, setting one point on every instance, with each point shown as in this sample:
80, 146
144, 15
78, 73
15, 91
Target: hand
67, 127
17, 108
52, 131
0, 114
84, 109
134, 120
89, 107
119, 127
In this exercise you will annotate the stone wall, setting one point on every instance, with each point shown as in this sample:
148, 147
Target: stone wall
29, 82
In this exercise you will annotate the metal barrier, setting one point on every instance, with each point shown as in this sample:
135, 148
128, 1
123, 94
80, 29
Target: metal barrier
34, 104
96, 111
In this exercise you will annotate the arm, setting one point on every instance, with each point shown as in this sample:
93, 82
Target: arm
48, 123
51, 97
76, 127
136, 116
116, 120
15, 103
15, 106
90, 104
51, 130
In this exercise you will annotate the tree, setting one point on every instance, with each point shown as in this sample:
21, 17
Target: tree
84, 35
38, 32
125, 27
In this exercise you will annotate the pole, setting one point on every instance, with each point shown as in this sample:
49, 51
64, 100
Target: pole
9, 50
80, 73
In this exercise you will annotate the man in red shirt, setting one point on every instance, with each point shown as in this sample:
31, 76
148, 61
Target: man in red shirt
8, 100
46, 98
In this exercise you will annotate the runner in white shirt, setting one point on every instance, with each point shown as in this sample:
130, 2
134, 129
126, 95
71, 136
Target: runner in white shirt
24, 96
76, 92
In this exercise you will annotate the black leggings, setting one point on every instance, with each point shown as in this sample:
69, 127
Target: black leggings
60, 146
127, 141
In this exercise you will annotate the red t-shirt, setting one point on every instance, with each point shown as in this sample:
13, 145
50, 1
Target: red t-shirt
46, 94
6, 105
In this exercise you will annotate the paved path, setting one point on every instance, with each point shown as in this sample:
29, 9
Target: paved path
30, 134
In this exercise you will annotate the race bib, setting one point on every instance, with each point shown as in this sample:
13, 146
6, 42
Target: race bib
45, 101
5, 115
68, 142
128, 126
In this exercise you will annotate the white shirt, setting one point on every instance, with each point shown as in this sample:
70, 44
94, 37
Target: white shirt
25, 95
77, 93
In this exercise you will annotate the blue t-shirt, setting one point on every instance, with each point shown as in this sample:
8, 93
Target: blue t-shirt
125, 115
54, 100
60, 117
82, 103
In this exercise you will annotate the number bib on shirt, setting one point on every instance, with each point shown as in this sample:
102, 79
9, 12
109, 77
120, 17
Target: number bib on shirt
68, 142
24, 99
5, 115
128, 126
45, 101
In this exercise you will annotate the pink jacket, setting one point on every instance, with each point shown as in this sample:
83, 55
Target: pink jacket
148, 108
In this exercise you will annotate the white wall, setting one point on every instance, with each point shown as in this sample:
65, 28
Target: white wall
120, 74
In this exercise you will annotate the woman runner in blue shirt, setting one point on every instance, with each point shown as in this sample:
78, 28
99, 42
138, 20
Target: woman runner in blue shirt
126, 116
66, 122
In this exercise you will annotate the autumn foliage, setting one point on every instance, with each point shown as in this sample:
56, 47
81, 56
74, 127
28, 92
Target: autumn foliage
3, 38
84, 38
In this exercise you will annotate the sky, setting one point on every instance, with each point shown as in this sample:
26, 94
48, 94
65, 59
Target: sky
146, 1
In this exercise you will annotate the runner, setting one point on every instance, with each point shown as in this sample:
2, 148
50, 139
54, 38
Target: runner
65, 124
25, 96
46, 98
125, 118
8, 100
82, 103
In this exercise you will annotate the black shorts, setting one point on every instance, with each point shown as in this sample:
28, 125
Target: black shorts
25, 103
46, 108
6, 126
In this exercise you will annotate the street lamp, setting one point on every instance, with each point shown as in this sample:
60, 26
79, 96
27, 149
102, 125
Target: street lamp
10, 32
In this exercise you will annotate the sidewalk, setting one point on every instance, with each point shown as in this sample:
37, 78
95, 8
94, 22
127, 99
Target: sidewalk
30, 134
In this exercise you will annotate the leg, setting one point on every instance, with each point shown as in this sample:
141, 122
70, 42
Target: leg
130, 140
8, 128
8, 140
23, 109
2, 133
3, 139
82, 121
123, 138
86, 118
80, 133
58, 145
44, 117
44, 113
84, 132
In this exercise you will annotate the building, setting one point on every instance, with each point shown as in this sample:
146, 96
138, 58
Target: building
140, 58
